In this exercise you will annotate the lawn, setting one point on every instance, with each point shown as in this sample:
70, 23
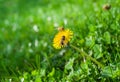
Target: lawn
27, 31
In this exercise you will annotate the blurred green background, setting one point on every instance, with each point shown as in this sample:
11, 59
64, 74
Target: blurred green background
27, 29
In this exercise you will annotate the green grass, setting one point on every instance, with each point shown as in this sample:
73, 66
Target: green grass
27, 52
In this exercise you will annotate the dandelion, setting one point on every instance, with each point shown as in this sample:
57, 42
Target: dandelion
35, 28
62, 38
49, 18
55, 24
36, 43
106, 6
65, 21
22, 79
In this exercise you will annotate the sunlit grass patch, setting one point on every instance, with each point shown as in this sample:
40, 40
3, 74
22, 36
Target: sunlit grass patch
88, 46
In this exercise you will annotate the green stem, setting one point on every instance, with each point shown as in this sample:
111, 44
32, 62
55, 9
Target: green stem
85, 54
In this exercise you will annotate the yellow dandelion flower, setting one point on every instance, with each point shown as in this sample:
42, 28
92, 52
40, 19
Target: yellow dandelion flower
62, 38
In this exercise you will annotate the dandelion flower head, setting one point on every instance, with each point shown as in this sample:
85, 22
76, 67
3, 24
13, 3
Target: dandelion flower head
62, 38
